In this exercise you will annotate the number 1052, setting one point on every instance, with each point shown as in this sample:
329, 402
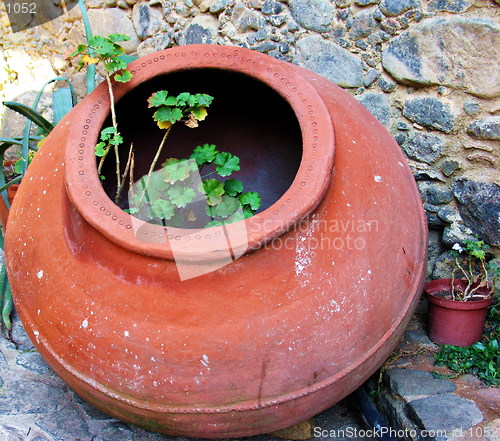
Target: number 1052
20, 8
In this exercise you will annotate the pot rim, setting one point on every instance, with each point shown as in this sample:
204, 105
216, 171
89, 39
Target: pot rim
435, 286
306, 191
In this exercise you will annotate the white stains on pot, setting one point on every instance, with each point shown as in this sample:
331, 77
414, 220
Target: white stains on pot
204, 361
85, 324
126, 333
377, 178
39, 274
304, 253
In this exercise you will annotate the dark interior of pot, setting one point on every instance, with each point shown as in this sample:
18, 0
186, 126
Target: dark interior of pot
247, 118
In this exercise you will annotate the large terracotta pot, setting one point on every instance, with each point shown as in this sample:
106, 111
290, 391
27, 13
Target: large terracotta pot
326, 284
452, 322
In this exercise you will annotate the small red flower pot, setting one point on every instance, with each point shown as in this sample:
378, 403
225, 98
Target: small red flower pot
454, 322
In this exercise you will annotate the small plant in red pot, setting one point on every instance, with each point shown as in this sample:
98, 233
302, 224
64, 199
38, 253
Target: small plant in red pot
458, 306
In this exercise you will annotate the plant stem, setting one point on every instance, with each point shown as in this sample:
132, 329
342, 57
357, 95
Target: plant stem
115, 126
132, 166
155, 160
125, 173
208, 174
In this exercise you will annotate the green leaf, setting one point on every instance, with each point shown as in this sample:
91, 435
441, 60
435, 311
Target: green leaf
227, 206
233, 187
124, 76
115, 64
165, 113
157, 185
162, 209
31, 114
170, 161
127, 58
180, 196
171, 101
80, 49
226, 163
204, 154
116, 140
96, 40
213, 223
158, 98
19, 166
178, 171
100, 149
186, 98
251, 199
118, 37
200, 113
213, 190
203, 99
107, 133
62, 102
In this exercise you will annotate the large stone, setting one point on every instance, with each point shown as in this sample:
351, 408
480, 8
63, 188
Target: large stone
315, 15
429, 112
414, 384
424, 147
444, 412
479, 206
114, 21
378, 105
147, 20
487, 128
392, 8
329, 60
458, 52
449, 5
202, 30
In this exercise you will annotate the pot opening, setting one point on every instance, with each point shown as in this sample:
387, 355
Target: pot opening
247, 118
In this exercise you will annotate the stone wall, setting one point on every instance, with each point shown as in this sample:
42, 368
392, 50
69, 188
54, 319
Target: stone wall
427, 69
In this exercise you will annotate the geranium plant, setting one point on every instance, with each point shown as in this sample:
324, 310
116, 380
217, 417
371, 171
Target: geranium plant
471, 266
164, 196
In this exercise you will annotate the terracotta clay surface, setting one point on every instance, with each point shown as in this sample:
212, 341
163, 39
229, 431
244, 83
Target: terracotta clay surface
452, 322
320, 296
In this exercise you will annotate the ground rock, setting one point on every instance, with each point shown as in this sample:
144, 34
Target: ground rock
460, 412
